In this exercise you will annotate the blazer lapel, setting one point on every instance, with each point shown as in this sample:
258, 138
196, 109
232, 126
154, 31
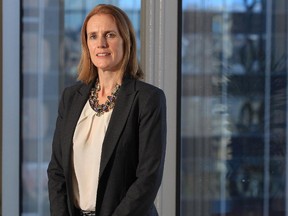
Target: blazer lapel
77, 104
118, 119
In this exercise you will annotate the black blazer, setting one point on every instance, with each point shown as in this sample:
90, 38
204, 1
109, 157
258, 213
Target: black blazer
132, 157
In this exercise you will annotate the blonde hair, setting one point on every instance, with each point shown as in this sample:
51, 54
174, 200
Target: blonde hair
87, 72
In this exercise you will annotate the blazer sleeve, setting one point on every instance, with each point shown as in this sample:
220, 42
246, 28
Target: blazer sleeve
139, 199
56, 179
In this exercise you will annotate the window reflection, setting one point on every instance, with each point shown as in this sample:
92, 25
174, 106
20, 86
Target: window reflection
233, 115
50, 54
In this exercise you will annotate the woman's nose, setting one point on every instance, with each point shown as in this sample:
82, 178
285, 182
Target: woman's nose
102, 42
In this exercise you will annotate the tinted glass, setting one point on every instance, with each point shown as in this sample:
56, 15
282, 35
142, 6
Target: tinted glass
233, 108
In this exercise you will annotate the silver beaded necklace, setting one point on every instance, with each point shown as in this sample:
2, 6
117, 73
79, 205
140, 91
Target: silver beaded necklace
100, 109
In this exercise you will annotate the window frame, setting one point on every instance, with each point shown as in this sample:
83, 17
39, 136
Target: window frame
10, 107
159, 57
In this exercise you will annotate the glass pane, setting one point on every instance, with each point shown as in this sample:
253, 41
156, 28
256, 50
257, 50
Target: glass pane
50, 54
233, 108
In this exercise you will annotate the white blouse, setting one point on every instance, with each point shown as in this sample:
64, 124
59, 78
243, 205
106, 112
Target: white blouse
87, 147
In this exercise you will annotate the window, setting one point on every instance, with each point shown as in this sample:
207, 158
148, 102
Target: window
50, 54
233, 108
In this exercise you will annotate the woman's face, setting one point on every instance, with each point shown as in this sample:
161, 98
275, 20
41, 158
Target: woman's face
104, 42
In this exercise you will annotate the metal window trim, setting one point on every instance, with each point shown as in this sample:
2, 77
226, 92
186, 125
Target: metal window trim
11, 107
159, 62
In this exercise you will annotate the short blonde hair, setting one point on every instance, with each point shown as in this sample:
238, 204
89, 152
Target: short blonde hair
87, 72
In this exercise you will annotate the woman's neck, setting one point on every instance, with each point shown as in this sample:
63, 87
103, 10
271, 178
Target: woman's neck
108, 82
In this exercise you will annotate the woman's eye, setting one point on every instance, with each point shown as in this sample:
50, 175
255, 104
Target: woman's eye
110, 35
92, 37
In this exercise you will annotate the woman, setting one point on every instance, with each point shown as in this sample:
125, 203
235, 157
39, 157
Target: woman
109, 143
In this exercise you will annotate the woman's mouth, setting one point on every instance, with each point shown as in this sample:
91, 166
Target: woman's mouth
103, 54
